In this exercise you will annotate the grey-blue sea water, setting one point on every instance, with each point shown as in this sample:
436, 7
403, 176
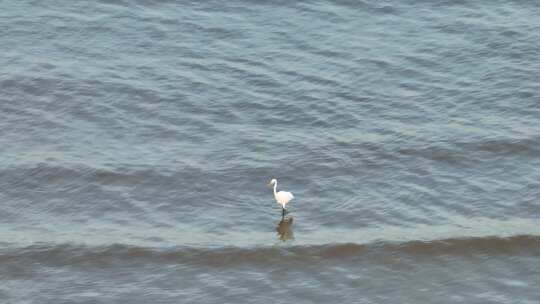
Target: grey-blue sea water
137, 138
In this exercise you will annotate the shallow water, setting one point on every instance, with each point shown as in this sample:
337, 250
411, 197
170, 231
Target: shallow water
136, 139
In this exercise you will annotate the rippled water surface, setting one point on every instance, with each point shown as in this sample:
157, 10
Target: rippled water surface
136, 139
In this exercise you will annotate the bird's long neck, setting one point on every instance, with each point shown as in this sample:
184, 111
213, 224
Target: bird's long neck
275, 186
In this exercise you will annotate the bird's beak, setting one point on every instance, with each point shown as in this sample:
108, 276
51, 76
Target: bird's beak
269, 185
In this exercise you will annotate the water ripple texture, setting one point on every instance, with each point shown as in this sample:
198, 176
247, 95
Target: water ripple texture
136, 139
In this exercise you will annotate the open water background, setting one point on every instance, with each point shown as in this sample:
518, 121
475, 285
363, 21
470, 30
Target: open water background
136, 139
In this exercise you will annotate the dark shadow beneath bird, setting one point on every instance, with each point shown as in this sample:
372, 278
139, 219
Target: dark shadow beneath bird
284, 229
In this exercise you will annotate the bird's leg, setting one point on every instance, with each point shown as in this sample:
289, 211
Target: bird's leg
282, 212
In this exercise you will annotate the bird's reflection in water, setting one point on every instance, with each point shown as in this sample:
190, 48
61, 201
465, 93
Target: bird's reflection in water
284, 229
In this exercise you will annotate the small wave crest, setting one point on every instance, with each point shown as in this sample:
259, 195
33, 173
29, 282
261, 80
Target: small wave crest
460, 152
55, 175
70, 254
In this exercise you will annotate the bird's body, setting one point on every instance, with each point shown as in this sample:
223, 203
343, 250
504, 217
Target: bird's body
282, 197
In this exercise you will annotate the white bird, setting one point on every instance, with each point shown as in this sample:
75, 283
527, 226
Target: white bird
282, 197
